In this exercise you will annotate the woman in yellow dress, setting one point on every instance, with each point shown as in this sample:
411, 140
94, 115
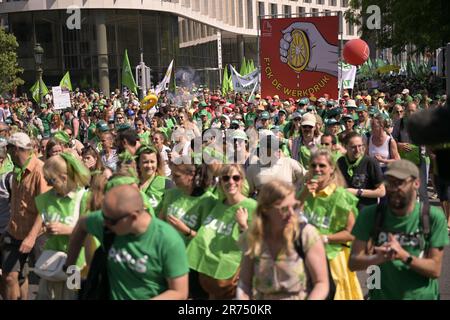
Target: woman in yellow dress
332, 210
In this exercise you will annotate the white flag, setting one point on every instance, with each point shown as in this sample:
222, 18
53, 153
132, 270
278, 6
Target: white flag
346, 76
244, 83
162, 85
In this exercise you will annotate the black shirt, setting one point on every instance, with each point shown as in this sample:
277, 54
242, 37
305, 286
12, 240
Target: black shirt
367, 175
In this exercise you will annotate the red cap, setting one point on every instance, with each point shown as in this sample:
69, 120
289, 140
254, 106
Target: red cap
268, 98
222, 101
291, 100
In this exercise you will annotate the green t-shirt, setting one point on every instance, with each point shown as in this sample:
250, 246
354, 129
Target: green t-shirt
214, 251
183, 207
144, 137
46, 121
7, 165
398, 281
139, 265
155, 190
55, 208
328, 212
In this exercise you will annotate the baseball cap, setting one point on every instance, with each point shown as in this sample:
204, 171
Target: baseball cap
296, 115
265, 115
43, 106
308, 120
203, 104
239, 134
203, 113
405, 91
20, 140
361, 107
282, 111
303, 101
102, 126
351, 104
130, 112
123, 127
402, 169
347, 116
330, 122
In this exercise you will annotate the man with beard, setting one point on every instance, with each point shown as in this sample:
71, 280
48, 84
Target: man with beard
407, 237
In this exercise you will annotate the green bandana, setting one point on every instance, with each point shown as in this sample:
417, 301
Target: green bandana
118, 181
62, 136
76, 165
20, 170
350, 166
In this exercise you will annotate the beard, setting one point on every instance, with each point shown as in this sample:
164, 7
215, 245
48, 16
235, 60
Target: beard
397, 201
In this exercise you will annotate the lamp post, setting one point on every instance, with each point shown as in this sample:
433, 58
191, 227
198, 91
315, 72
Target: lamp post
38, 55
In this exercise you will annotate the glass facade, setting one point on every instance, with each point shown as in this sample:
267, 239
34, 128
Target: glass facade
156, 33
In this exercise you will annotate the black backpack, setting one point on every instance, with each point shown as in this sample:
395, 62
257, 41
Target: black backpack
96, 286
299, 247
379, 220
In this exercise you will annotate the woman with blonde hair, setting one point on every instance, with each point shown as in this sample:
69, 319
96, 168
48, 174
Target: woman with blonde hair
332, 210
272, 267
214, 251
60, 208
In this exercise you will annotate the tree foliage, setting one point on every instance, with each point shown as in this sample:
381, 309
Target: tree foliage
9, 68
422, 23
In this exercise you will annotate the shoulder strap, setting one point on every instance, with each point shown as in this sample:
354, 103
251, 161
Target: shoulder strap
108, 239
425, 218
8, 180
298, 243
379, 220
389, 147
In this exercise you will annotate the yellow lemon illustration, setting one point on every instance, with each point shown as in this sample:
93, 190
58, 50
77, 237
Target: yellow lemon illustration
149, 101
298, 53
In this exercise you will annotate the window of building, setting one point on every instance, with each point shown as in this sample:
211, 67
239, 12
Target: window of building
315, 12
327, 13
273, 9
307, 1
344, 3
261, 11
249, 14
287, 11
332, 3
301, 10
320, 1
350, 28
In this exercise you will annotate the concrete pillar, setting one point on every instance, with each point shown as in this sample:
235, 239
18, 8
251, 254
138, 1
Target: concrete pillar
102, 53
241, 47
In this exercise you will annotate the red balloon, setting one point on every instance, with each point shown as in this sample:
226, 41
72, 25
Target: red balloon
356, 52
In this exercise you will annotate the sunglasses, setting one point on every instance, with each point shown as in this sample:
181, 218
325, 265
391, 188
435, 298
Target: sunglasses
320, 165
297, 119
50, 181
111, 221
399, 111
236, 178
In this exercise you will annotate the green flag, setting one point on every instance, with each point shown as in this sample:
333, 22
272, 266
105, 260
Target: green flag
225, 85
230, 83
127, 75
252, 67
65, 81
35, 91
243, 69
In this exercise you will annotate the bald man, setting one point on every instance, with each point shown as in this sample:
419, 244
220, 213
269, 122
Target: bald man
147, 259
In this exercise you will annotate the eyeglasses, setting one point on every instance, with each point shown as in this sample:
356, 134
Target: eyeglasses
399, 111
397, 183
111, 221
307, 127
320, 165
236, 178
326, 144
50, 181
297, 119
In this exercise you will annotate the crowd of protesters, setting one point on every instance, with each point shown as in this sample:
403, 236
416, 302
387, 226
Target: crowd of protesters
220, 196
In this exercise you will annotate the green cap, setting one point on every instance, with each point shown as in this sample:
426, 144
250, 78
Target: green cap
373, 111
123, 127
361, 107
203, 113
330, 122
265, 115
398, 101
43, 106
203, 104
303, 101
239, 134
409, 99
102, 126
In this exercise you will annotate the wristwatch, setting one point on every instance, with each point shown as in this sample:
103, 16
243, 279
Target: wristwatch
408, 260
359, 192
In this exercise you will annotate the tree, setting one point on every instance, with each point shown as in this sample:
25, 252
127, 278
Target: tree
422, 23
9, 68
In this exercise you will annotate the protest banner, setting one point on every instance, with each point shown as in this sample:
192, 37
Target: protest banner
244, 83
61, 98
347, 75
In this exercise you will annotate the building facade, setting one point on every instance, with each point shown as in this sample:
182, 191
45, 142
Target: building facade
187, 31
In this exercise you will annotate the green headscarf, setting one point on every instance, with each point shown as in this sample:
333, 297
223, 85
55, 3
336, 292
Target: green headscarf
118, 181
76, 165
62, 136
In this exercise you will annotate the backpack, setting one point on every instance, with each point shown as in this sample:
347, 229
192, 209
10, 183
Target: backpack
379, 220
298, 244
96, 286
